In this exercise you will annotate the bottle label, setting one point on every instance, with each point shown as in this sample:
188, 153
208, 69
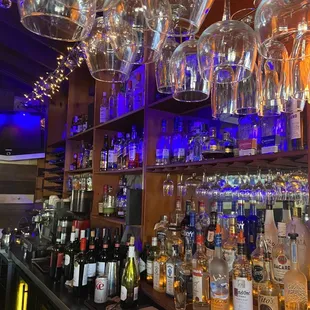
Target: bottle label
103, 114
149, 267
67, 260
210, 253
179, 153
219, 293
197, 285
170, 279
210, 236
161, 236
258, 272
111, 158
100, 268
76, 275
60, 259
91, 270
123, 293
294, 291
247, 144
142, 265
166, 153
132, 153
270, 243
295, 128
281, 265
242, 294
268, 302
156, 276
135, 293
229, 256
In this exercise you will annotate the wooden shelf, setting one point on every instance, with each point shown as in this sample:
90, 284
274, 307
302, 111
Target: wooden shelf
283, 160
124, 122
122, 172
84, 135
57, 144
112, 219
79, 171
168, 104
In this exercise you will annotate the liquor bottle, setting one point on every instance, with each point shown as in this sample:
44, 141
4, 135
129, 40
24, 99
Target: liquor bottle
280, 256
222, 220
196, 143
298, 130
159, 270
286, 212
129, 98
270, 228
230, 246
228, 145
140, 150
269, 293
57, 257
190, 232
87, 236
163, 146
133, 161
103, 258
69, 258
118, 148
174, 238
203, 217
121, 198
161, 229
242, 278
143, 261
104, 109
91, 262
113, 272
177, 215
108, 201
90, 159
219, 276
172, 264
130, 280
210, 236
80, 271
201, 278
185, 221
233, 210
178, 143
104, 154
98, 241
213, 149
138, 93
112, 103
111, 156
126, 151
257, 259
252, 226
295, 282
154, 250
297, 226
77, 240
242, 221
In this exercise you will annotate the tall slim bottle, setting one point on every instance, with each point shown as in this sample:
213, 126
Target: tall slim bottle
209, 243
219, 276
286, 212
80, 271
190, 232
113, 103
163, 146
57, 256
159, 271
104, 154
295, 282
154, 250
242, 278
69, 258
270, 228
172, 264
253, 222
242, 221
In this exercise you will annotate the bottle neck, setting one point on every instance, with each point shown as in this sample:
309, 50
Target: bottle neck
241, 210
269, 216
267, 270
188, 255
294, 257
241, 249
260, 241
218, 245
253, 209
131, 251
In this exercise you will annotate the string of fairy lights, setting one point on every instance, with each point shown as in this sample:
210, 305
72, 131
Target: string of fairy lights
46, 87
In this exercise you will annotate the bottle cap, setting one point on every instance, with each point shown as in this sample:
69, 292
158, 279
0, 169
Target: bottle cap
132, 240
218, 229
293, 236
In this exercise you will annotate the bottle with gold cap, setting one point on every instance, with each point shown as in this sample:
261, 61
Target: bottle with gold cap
242, 278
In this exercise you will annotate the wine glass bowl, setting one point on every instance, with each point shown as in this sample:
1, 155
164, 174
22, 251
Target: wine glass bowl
168, 186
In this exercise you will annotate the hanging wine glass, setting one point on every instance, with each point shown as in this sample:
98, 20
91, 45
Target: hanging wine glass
65, 20
246, 16
168, 186
202, 189
187, 83
193, 181
245, 190
227, 190
280, 185
181, 187
105, 5
258, 192
101, 60
270, 189
237, 183
162, 67
227, 50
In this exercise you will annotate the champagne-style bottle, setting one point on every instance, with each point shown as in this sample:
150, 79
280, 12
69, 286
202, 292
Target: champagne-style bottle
130, 281
57, 257
80, 271
69, 258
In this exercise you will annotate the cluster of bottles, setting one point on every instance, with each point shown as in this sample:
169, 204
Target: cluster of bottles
84, 158
83, 182
223, 259
90, 256
122, 152
114, 205
117, 104
79, 124
254, 136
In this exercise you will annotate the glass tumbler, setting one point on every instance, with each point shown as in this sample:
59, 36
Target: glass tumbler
65, 20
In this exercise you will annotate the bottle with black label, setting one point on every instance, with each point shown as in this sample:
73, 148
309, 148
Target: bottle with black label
104, 154
57, 257
210, 245
80, 271
69, 257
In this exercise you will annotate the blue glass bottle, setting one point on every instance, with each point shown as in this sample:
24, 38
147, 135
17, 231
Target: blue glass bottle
253, 222
242, 221
190, 232
163, 146
179, 142
222, 220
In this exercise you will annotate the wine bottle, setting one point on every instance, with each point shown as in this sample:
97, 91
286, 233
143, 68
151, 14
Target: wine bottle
69, 258
130, 281
80, 271
103, 258
57, 256
91, 262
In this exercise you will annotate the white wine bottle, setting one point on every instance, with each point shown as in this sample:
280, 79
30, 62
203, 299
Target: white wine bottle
130, 280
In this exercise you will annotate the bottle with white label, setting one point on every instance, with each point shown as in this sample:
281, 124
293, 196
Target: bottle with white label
242, 278
91, 262
130, 280
154, 250
171, 266
104, 109
159, 270
80, 271
103, 257
270, 228
269, 293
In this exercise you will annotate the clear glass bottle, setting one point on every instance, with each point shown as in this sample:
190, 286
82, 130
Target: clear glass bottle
159, 270
213, 148
153, 252
203, 217
172, 264
295, 282
118, 148
161, 229
196, 142
133, 161
113, 103
163, 146
210, 235
129, 98
242, 278
178, 142
177, 215
104, 109
228, 145
174, 238
138, 93
270, 228
269, 293
280, 256
185, 221
219, 276
201, 277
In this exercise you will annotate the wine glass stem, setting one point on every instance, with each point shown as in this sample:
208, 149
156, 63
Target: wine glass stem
226, 14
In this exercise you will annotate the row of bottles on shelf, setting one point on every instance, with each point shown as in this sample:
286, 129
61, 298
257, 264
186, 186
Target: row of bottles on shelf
122, 152
124, 102
254, 136
79, 124
98, 265
114, 205
83, 182
84, 158
221, 259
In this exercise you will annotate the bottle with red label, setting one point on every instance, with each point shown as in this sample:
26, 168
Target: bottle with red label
209, 242
57, 257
